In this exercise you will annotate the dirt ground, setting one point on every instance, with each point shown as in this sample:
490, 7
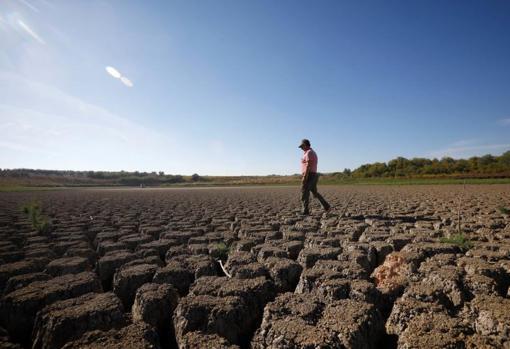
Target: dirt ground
387, 267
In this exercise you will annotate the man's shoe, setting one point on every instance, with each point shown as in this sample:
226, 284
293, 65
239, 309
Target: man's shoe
327, 208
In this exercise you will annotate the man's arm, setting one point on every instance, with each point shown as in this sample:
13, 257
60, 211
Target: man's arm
307, 171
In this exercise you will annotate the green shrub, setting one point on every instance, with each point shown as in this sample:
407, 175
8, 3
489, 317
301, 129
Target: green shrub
504, 210
221, 251
459, 240
38, 221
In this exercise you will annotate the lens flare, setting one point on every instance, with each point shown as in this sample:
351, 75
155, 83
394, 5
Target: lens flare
126, 81
113, 72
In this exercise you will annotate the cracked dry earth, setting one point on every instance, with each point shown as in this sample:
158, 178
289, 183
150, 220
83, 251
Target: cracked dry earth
138, 268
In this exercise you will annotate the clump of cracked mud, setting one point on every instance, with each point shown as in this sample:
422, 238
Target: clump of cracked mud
141, 269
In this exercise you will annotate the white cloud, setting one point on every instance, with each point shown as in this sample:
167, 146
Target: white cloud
44, 127
31, 32
29, 5
47, 3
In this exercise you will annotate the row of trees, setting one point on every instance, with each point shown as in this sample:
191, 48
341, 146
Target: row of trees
135, 178
487, 165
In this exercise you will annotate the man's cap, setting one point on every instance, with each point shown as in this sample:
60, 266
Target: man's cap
304, 142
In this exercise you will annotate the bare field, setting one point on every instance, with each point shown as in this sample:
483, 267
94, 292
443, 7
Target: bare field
388, 266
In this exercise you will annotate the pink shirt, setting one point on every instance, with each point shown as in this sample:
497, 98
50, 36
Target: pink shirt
309, 158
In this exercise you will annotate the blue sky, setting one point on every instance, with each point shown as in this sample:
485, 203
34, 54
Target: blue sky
231, 87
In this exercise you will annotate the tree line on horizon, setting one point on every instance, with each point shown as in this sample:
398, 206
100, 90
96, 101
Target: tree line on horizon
477, 166
122, 178
484, 166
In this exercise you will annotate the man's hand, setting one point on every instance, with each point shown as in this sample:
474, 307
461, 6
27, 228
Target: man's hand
304, 179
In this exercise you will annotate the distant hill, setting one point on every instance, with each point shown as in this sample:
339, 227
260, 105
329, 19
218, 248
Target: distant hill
487, 166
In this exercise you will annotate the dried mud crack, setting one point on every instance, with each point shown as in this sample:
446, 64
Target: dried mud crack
391, 267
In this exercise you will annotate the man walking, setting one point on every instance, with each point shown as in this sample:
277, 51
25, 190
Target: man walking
310, 177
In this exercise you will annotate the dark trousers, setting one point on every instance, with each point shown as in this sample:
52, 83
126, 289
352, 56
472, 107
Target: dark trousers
311, 186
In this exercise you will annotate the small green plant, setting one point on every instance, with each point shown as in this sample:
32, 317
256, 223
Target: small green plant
38, 221
221, 251
459, 240
504, 210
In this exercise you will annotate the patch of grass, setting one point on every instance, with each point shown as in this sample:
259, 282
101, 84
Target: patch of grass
221, 251
459, 240
39, 222
504, 210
